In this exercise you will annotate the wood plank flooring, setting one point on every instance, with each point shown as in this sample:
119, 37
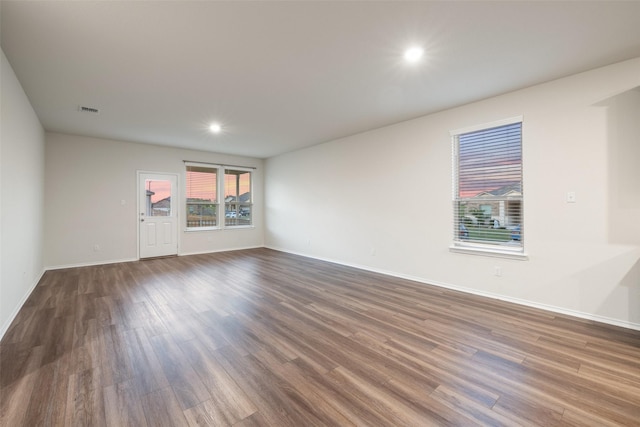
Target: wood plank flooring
264, 338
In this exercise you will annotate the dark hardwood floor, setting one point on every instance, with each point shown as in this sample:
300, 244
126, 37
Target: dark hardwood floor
263, 338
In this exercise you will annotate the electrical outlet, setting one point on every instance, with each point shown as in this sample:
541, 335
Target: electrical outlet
96, 247
571, 196
497, 271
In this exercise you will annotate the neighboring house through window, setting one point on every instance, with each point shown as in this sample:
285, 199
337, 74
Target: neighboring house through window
488, 191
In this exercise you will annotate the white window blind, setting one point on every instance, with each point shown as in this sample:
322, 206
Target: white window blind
202, 199
488, 193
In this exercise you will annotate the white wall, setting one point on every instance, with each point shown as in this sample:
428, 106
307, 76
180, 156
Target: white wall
22, 182
382, 199
623, 127
88, 178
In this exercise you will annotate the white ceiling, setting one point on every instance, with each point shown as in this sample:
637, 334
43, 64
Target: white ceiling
285, 75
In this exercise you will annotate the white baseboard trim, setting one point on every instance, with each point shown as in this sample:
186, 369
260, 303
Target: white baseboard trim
541, 306
220, 250
18, 307
89, 264
115, 261
527, 303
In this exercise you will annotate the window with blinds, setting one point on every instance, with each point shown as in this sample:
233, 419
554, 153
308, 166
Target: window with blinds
209, 188
202, 197
488, 193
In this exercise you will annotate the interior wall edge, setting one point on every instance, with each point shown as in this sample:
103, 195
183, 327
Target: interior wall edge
89, 264
18, 307
501, 297
213, 251
117, 261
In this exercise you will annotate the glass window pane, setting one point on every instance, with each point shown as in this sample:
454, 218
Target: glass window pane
244, 215
237, 197
490, 161
202, 199
158, 197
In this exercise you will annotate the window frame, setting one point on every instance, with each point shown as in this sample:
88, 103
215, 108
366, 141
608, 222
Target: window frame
220, 203
477, 248
215, 168
238, 203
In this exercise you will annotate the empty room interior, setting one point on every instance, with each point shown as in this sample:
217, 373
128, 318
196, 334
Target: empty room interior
313, 213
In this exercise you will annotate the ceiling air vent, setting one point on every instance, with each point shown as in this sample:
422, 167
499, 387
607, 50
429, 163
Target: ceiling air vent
91, 110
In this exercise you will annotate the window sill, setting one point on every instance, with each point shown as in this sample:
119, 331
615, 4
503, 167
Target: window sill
192, 229
490, 252
228, 227
236, 227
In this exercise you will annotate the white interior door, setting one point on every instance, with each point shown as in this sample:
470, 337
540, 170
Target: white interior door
157, 214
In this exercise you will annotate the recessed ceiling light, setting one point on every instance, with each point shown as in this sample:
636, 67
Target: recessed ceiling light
215, 127
413, 54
